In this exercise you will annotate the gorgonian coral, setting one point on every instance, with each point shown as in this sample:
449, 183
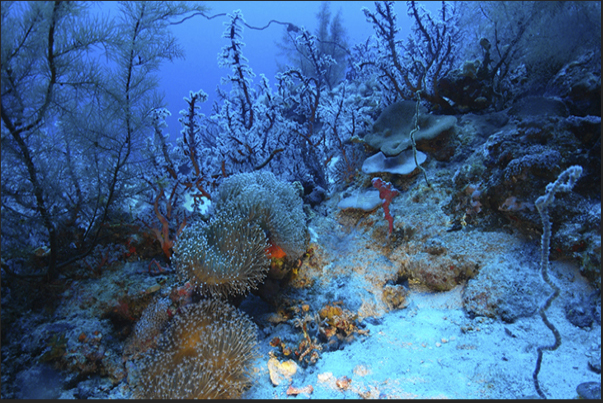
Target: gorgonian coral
223, 257
274, 205
206, 353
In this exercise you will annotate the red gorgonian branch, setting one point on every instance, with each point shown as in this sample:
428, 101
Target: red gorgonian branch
386, 192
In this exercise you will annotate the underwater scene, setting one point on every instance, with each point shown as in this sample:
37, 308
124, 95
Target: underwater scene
301, 200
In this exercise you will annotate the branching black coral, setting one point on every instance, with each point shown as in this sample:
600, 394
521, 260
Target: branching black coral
426, 56
232, 56
248, 119
71, 123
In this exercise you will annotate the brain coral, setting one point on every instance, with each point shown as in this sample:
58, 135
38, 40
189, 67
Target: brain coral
223, 257
276, 206
206, 352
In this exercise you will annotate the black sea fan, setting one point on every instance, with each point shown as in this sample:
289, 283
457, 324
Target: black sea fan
224, 257
205, 353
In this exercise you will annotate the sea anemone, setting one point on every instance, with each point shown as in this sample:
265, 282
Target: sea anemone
223, 257
148, 327
205, 353
276, 206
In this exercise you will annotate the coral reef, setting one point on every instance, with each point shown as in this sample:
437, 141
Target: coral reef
496, 185
328, 329
366, 200
401, 164
249, 258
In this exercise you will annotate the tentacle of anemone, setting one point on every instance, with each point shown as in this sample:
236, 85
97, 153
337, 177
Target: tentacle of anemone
224, 257
205, 353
